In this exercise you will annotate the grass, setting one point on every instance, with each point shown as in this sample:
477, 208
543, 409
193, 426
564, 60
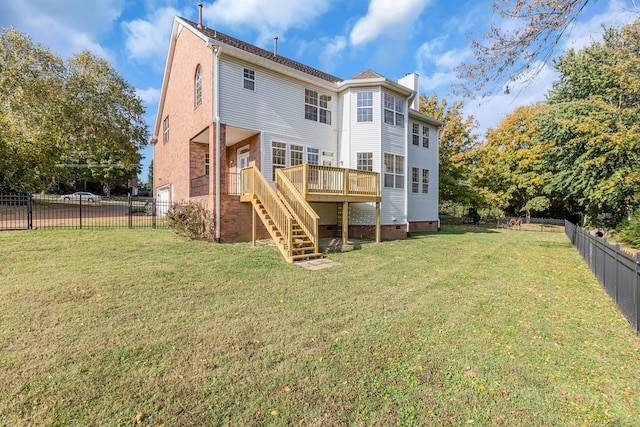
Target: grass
462, 327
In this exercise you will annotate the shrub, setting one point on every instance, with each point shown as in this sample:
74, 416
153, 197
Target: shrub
191, 220
629, 231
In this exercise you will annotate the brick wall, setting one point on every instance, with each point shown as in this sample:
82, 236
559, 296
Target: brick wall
423, 226
172, 165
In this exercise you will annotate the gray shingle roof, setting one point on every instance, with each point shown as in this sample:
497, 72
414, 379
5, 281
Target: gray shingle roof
231, 41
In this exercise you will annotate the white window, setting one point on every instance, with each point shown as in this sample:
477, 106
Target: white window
425, 181
415, 136
297, 155
393, 171
364, 161
393, 110
327, 158
425, 137
313, 156
365, 107
278, 156
206, 163
317, 107
198, 86
249, 79
165, 124
415, 177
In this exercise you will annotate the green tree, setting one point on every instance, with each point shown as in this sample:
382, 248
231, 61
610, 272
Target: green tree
594, 125
31, 111
106, 127
510, 167
457, 140
77, 113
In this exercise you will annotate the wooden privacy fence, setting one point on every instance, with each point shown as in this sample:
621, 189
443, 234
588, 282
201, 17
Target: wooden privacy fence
617, 271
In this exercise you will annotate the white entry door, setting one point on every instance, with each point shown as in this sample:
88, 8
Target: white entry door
243, 162
162, 201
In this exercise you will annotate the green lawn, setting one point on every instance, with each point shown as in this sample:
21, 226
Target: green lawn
462, 327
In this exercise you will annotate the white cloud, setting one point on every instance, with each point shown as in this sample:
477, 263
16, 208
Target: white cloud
147, 39
150, 95
268, 17
489, 112
331, 52
386, 17
437, 69
65, 26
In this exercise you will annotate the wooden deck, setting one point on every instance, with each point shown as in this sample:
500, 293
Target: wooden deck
326, 184
286, 212
331, 184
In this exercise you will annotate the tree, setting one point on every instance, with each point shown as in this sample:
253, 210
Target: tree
510, 167
150, 177
31, 110
77, 113
106, 127
456, 142
520, 49
594, 125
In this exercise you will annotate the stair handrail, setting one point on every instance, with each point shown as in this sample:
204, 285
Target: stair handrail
277, 210
300, 209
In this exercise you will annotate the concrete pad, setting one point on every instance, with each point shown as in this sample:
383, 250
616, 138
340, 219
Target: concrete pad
317, 264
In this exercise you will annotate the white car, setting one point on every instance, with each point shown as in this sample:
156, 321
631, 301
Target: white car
84, 195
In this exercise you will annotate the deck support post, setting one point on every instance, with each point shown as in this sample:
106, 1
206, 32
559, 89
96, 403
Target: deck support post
253, 225
377, 222
345, 223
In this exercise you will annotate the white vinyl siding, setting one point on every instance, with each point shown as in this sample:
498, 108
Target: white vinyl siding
275, 110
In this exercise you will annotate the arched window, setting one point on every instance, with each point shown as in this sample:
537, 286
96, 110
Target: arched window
198, 85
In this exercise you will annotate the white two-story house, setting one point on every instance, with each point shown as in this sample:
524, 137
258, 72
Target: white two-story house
338, 156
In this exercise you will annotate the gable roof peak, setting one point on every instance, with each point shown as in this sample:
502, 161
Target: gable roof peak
367, 74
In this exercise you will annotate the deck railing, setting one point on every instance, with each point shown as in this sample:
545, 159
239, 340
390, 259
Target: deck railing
305, 215
253, 182
315, 179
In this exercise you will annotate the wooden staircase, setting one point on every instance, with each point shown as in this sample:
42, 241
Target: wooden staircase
294, 233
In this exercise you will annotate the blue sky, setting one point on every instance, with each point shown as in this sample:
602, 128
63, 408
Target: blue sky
341, 37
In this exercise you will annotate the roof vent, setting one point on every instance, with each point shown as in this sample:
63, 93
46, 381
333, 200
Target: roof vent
275, 46
200, 15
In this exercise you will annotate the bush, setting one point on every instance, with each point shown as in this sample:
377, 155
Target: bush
629, 231
191, 220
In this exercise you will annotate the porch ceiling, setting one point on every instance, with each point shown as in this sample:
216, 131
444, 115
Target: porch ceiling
235, 135
202, 137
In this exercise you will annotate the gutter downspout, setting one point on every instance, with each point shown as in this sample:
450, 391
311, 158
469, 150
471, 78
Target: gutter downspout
406, 168
216, 119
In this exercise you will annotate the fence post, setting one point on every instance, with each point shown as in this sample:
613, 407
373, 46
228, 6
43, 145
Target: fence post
637, 292
130, 210
615, 275
153, 213
80, 212
29, 211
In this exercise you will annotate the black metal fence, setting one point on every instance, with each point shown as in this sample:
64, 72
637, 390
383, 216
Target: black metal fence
617, 271
29, 211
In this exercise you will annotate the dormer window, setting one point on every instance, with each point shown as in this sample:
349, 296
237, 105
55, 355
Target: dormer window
249, 79
198, 85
